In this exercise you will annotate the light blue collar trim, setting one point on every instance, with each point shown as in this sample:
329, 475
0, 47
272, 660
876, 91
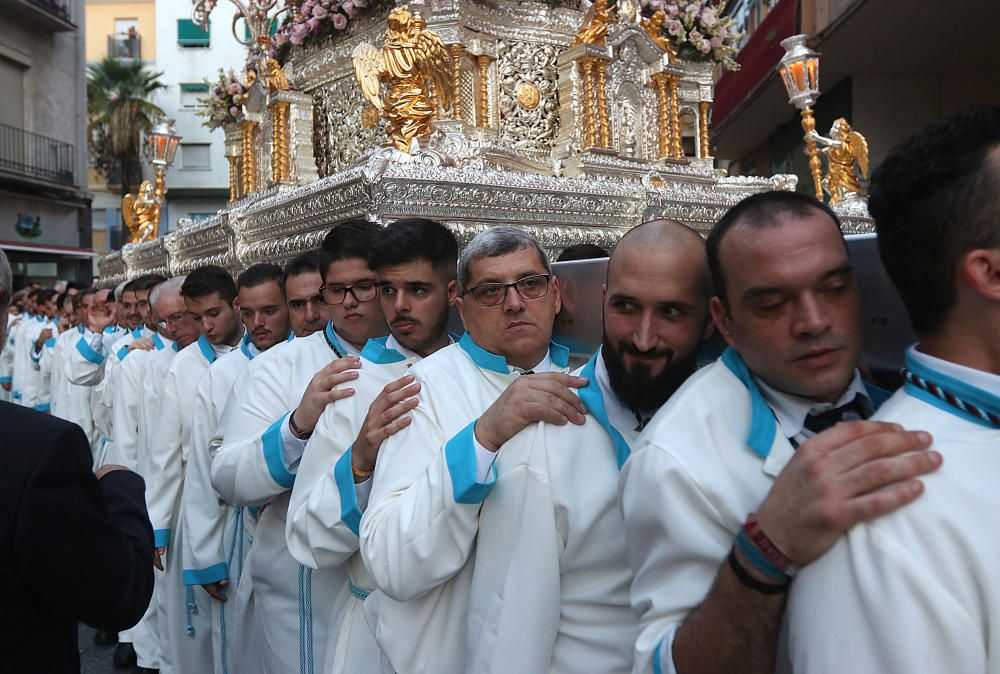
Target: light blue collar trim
111, 329
291, 336
594, 401
763, 425
206, 349
157, 342
245, 346
375, 351
964, 392
80, 328
137, 333
558, 354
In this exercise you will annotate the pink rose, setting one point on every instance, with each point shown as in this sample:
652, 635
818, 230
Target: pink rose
348, 8
234, 111
307, 7
674, 27
313, 24
319, 11
695, 37
708, 18
706, 47
360, 3
299, 33
339, 21
672, 10
235, 89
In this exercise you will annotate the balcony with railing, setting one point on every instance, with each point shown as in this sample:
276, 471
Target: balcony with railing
53, 15
126, 46
32, 155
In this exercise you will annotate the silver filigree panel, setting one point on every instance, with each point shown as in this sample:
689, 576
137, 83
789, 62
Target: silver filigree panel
338, 137
527, 66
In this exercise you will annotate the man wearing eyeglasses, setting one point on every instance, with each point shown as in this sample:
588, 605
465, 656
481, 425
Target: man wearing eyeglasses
418, 532
264, 434
415, 261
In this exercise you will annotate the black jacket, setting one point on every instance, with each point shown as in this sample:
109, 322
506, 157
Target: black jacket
72, 548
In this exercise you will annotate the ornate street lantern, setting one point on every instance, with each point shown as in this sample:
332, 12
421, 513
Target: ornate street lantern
799, 71
161, 144
141, 212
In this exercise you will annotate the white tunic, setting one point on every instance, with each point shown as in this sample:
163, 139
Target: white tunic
550, 590
916, 590
419, 530
256, 465
27, 380
7, 356
324, 510
124, 447
706, 460
50, 364
187, 627
215, 540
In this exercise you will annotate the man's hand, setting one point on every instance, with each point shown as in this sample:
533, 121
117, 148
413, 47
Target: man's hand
384, 418
158, 554
100, 316
851, 473
45, 334
217, 590
321, 392
108, 468
6, 386
536, 397
142, 343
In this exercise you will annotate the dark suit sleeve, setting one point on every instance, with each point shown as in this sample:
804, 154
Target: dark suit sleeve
85, 546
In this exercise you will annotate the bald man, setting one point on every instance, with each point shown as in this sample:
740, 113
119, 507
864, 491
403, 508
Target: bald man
551, 582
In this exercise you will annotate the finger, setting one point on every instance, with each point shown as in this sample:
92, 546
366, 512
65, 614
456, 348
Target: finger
870, 506
341, 364
843, 434
398, 384
332, 380
558, 390
881, 473
876, 446
549, 414
391, 429
567, 408
396, 411
569, 380
335, 395
402, 394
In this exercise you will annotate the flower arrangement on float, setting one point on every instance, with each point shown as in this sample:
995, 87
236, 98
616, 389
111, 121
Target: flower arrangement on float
225, 97
698, 29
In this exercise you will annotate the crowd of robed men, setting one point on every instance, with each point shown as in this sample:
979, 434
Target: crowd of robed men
337, 484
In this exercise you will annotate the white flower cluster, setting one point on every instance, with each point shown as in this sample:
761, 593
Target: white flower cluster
225, 96
698, 29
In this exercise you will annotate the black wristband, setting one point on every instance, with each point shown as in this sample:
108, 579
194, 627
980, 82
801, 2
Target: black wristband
293, 427
749, 581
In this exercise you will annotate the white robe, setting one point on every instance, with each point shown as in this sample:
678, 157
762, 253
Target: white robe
706, 460
215, 541
550, 589
153, 376
288, 602
918, 589
7, 356
324, 511
418, 532
50, 364
27, 380
188, 629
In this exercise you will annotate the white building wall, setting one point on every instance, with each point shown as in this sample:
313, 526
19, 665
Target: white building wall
194, 189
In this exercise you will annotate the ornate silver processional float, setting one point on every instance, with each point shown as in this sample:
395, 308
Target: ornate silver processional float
574, 125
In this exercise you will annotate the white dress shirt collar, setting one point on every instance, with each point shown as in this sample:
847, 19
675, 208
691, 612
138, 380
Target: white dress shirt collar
791, 410
986, 381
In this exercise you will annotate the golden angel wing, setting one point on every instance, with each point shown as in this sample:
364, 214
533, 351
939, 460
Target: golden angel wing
368, 64
859, 150
434, 61
128, 210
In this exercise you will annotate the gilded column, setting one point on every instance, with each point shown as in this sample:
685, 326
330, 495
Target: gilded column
234, 179
675, 117
249, 162
662, 114
586, 74
280, 141
602, 105
703, 113
484, 90
457, 53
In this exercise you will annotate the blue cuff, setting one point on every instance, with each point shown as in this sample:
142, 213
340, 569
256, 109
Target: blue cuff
122, 352
44, 407
658, 658
36, 355
350, 514
212, 574
88, 352
50, 342
6, 380
460, 453
274, 457
161, 538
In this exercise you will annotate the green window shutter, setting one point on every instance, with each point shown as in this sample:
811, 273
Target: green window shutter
194, 86
189, 34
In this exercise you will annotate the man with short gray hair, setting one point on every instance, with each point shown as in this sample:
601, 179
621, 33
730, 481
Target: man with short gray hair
419, 530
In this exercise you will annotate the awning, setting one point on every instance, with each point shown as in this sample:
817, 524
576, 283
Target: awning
62, 251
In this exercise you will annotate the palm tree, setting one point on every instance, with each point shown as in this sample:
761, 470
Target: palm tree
119, 109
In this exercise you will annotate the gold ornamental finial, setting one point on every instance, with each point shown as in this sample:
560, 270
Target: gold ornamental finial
843, 149
597, 20
417, 69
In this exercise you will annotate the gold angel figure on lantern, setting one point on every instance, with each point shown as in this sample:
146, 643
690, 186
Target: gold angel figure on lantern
415, 67
843, 149
142, 212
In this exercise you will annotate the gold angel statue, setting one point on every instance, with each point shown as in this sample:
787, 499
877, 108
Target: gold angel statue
843, 148
142, 212
415, 67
